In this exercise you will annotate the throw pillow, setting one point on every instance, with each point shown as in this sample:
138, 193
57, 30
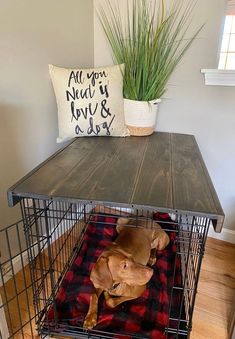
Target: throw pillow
89, 101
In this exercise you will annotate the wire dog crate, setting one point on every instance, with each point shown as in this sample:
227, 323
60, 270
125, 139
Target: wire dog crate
54, 236
44, 273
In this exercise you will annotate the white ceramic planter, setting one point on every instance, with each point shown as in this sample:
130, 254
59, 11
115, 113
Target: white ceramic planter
141, 116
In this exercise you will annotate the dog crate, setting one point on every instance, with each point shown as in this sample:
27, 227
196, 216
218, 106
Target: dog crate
70, 205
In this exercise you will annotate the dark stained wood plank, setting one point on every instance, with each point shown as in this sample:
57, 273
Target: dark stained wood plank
218, 222
191, 187
163, 171
45, 180
12, 197
154, 186
81, 180
114, 181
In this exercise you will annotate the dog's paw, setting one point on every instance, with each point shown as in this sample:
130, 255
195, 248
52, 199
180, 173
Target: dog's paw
90, 321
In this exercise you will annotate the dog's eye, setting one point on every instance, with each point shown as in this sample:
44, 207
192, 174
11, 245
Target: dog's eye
124, 265
115, 285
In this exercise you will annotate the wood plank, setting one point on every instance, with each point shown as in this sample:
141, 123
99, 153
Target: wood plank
163, 170
52, 175
219, 252
114, 182
208, 327
4, 333
218, 222
154, 186
80, 180
215, 299
215, 307
12, 197
217, 283
191, 191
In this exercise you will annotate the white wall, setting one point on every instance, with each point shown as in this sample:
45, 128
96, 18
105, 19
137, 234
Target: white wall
191, 107
33, 34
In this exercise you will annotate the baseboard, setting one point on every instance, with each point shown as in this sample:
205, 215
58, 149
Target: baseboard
22, 259
225, 235
16, 265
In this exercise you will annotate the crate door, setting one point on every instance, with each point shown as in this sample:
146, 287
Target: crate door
17, 312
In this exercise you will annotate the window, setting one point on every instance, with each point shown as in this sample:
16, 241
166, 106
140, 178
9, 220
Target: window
227, 52
225, 74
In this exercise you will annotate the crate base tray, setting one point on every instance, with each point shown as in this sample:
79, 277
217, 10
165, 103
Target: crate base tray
144, 317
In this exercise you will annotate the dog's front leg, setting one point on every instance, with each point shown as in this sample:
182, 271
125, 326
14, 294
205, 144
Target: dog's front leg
130, 293
91, 317
115, 301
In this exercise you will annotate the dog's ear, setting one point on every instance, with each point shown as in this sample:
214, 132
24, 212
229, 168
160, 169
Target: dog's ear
101, 275
160, 239
121, 222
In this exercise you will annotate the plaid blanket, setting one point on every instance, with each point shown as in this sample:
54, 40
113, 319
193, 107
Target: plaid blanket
146, 316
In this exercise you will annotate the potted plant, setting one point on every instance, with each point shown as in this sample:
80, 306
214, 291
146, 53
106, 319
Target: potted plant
150, 40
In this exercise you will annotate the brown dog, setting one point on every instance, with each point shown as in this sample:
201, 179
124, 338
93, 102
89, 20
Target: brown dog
120, 271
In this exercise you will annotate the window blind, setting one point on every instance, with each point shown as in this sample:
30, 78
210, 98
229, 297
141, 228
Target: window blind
231, 7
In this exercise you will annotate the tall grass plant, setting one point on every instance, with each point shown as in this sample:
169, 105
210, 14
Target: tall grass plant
150, 40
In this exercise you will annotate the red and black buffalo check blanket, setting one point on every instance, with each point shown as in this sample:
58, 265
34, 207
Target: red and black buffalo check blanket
147, 316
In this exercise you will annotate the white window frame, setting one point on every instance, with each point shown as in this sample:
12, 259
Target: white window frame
228, 37
221, 77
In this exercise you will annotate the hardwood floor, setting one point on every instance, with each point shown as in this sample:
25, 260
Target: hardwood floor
214, 303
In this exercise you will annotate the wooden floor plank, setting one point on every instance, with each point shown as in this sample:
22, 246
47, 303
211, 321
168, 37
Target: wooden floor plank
207, 328
216, 290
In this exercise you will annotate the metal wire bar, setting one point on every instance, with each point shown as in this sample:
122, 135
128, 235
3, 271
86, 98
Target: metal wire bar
54, 234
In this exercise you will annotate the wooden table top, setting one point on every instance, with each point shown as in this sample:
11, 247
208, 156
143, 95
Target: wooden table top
164, 171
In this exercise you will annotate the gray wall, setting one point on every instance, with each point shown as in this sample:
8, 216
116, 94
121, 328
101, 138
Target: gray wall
190, 107
33, 34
